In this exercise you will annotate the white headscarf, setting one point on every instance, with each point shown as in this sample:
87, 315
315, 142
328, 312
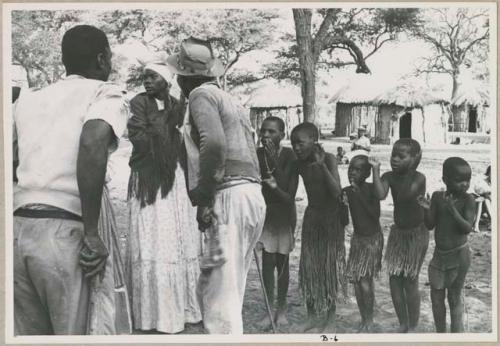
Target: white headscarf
161, 69
158, 64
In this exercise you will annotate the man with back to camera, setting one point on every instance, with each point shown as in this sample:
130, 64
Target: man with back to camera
223, 179
65, 133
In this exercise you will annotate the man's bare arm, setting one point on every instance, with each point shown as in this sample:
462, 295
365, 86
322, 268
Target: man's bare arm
92, 160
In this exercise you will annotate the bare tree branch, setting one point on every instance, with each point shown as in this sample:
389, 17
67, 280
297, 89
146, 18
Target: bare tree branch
318, 40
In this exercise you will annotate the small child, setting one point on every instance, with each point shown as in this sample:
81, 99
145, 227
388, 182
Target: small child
279, 188
451, 212
365, 255
409, 238
341, 157
322, 260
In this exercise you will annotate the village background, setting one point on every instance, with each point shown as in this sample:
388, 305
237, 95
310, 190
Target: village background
420, 73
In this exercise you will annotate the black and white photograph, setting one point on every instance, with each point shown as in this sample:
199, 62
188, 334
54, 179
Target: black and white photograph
238, 172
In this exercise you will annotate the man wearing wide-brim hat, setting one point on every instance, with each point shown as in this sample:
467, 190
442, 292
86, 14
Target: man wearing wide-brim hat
223, 181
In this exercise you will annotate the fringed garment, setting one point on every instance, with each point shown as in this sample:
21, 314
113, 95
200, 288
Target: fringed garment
406, 250
322, 271
365, 256
164, 241
157, 147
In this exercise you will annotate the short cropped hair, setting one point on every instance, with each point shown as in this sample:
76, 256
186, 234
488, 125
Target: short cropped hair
81, 45
366, 164
277, 120
308, 128
451, 164
411, 144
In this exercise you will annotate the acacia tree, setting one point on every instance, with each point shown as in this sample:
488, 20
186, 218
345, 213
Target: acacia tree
459, 39
232, 32
334, 37
36, 43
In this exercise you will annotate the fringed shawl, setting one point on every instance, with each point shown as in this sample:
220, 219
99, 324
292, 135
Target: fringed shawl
157, 147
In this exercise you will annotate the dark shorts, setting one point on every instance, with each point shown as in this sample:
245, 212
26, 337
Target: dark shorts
448, 269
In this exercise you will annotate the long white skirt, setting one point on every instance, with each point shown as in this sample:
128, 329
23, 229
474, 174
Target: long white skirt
163, 261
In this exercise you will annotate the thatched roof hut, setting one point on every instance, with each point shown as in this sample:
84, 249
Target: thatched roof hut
411, 95
474, 93
277, 100
471, 104
406, 109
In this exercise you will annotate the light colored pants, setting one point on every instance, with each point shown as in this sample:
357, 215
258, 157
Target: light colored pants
50, 293
221, 290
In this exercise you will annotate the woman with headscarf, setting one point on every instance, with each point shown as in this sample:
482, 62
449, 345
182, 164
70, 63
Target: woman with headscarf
164, 241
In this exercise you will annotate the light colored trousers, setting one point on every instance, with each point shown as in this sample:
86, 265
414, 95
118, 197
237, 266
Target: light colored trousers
242, 210
50, 293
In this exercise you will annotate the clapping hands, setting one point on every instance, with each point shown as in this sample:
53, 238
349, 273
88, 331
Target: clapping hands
424, 201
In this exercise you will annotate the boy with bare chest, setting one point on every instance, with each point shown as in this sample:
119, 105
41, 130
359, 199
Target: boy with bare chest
322, 260
409, 238
451, 213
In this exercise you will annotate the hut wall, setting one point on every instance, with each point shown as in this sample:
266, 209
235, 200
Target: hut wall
484, 121
388, 124
435, 123
350, 117
291, 117
460, 119
417, 125
342, 118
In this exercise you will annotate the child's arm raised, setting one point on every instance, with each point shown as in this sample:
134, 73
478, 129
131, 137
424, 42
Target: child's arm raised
465, 222
287, 195
328, 165
430, 209
381, 185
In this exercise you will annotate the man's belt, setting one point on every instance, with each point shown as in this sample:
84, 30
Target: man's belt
47, 214
234, 180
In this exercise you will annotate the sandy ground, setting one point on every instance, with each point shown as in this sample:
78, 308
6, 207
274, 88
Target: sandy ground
478, 292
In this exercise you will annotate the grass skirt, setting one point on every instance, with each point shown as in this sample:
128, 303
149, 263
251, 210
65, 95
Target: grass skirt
322, 266
406, 250
365, 256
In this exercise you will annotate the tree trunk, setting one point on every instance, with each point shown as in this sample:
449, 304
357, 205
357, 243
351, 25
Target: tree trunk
458, 113
302, 19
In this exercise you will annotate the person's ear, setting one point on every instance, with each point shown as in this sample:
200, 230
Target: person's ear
102, 62
282, 135
445, 179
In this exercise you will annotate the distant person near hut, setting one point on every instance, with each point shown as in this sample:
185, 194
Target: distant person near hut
362, 142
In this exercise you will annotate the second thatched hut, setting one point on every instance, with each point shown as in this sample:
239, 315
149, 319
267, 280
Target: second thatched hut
284, 102
408, 109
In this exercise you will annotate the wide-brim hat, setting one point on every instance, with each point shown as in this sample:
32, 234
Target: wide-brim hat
195, 58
